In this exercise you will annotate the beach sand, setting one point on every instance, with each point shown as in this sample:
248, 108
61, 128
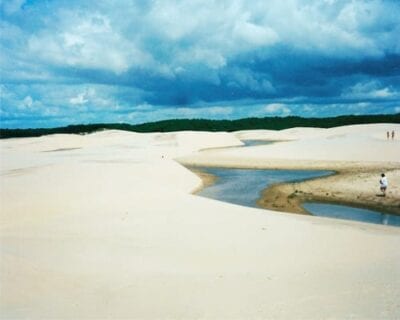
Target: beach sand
105, 225
357, 154
351, 187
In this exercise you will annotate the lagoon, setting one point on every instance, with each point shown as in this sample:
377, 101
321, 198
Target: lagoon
244, 187
351, 213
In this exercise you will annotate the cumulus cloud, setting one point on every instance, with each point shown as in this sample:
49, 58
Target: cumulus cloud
56, 102
178, 54
277, 109
369, 90
85, 40
253, 34
79, 99
245, 78
28, 101
143, 107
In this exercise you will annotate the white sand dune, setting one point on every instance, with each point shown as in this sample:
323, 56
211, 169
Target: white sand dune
365, 143
105, 226
371, 130
339, 148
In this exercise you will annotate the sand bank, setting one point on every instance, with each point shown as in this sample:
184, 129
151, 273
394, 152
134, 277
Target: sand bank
105, 226
355, 153
351, 187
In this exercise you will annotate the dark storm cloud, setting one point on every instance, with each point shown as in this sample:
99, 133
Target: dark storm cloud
85, 61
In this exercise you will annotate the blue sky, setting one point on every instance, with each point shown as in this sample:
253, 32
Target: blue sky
67, 62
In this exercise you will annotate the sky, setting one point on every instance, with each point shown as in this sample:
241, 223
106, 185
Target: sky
68, 62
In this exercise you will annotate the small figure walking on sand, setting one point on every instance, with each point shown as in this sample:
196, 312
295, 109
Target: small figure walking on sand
392, 134
387, 135
384, 184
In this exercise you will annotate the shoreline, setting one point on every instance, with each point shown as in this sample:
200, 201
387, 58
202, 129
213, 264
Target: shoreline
220, 161
207, 179
289, 196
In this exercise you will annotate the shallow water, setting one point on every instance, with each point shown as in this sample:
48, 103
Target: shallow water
351, 213
246, 143
252, 143
244, 187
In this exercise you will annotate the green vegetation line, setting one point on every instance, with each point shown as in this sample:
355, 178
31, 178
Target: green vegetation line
271, 123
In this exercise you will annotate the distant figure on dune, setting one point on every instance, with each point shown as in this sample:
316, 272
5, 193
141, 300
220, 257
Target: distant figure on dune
383, 183
392, 134
387, 135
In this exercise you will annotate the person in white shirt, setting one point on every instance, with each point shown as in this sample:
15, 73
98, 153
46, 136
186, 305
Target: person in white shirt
383, 183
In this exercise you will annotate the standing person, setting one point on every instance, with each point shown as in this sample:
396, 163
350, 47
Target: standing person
384, 184
387, 135
392, 134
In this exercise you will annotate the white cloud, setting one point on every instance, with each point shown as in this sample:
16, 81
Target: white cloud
255, 34
79, 99
12, 101
210, 34
49, 100
164, 36
28, 101
176, 20
243, 78
383, 93
277, 109
369, 90
308, 109
341, 28
60, 49
88, 94
88, 41
143, 107
209, 57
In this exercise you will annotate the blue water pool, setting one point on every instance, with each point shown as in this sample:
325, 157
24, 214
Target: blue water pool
244, 187
252, 143
351, 213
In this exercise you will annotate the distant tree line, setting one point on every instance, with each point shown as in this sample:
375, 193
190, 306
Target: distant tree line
272, 123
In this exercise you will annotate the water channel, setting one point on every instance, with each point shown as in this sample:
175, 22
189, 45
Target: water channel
244, 187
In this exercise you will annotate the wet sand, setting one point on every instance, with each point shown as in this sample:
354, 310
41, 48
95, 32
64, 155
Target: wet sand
347, 187
353, 152
288, 197
207, 179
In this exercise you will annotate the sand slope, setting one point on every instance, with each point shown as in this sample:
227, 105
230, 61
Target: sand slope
359, 153
104, 226
366, 143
